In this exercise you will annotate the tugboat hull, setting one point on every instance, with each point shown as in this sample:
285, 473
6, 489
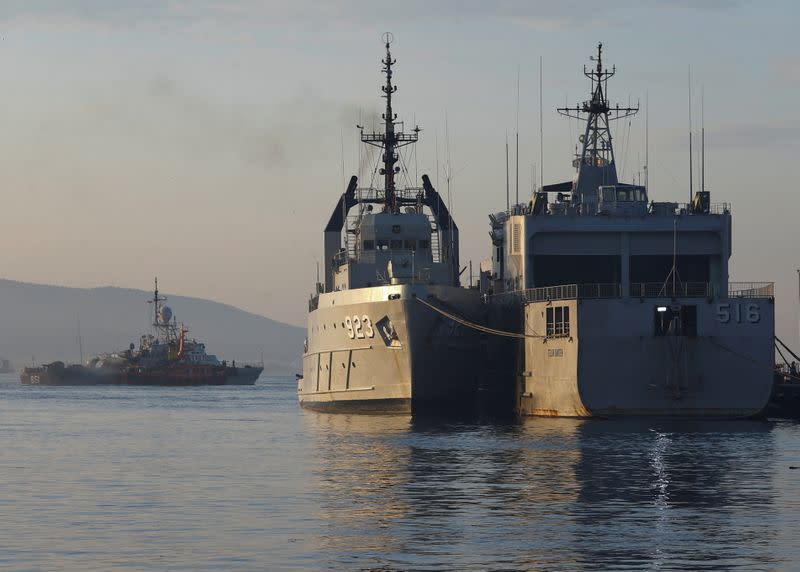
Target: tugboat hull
246, 375
175, 375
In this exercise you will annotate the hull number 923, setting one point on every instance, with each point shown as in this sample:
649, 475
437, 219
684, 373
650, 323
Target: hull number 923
359, 327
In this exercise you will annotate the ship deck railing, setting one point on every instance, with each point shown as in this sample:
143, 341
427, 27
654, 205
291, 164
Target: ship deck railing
751, 290
654, 209
637, 290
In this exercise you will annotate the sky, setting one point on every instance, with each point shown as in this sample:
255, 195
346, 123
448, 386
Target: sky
204, 141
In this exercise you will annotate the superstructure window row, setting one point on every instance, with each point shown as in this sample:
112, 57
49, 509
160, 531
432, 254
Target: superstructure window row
396, 244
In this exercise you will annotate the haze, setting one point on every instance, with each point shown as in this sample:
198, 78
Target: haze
203, 141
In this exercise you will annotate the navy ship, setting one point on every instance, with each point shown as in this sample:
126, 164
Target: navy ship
166, 356
626, 302
371, 345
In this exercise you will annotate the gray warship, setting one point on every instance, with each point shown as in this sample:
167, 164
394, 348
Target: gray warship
371, 345
625, 304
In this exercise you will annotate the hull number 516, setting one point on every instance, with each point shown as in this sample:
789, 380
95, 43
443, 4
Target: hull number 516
739, 313
359, 328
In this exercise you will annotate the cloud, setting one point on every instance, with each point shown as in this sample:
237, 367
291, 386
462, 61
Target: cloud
268, 13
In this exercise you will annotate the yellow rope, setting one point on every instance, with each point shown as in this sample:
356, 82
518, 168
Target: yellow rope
475, 326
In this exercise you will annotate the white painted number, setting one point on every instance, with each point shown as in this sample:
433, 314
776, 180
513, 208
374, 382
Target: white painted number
367, 326
724, 313
359, 327
752, 313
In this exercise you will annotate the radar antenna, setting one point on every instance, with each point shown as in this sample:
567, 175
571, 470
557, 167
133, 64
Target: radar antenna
597, 152
158, 324
393, 136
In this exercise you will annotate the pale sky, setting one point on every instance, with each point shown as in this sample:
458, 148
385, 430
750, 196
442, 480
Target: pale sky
202, 141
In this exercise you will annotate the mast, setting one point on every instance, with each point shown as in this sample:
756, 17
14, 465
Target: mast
156, 302
391, 139
596, 165
691, 170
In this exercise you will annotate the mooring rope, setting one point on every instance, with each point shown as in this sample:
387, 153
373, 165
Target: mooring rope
479, 327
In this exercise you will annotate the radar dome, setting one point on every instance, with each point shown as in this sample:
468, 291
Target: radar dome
165, 314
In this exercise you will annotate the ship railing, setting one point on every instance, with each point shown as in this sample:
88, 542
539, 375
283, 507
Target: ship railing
751, 289
670, 290
680, 209
406, 195
561, 292
713, 208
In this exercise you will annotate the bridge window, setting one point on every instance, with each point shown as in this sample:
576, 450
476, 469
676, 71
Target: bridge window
410, 244
369, 245
383, 245
395, 244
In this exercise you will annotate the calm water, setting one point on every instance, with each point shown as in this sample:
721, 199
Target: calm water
239, 478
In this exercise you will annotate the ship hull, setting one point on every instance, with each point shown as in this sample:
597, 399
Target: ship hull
381, 350
70, 376
242, 375
612, 363
174, 375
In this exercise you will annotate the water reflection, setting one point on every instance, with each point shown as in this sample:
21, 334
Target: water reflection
542, 494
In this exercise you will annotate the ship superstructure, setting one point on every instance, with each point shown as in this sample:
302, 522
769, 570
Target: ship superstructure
371, 345
626, 302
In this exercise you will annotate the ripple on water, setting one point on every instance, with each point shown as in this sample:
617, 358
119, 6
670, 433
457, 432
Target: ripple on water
240, 478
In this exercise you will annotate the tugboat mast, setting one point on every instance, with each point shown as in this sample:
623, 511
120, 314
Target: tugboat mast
158, 324
391, 139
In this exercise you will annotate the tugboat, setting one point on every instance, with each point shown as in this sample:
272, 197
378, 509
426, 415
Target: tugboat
376, 341
627, 304
169, 357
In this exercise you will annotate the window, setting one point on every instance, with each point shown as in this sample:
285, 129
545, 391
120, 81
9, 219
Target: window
410, 244
383, 245
369, 245
395, 244
557, 322
608, 195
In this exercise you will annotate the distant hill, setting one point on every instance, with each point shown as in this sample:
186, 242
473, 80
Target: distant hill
40, 322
